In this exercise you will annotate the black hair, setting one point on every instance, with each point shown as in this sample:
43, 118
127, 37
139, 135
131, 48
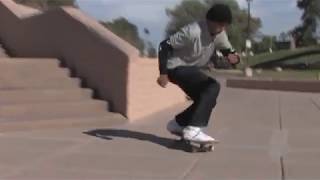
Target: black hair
220, 13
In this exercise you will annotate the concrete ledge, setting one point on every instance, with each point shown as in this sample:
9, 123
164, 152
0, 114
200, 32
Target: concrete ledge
272, 84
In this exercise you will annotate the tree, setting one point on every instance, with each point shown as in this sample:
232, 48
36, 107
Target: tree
266, 43
311, 12
183, 14
151, 51
283, 37
193, 10
46, 4
127, 31
305, 33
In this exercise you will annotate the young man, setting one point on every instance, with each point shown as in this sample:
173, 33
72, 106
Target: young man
180, 59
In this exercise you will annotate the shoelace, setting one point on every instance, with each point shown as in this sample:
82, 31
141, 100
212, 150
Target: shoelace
197, 134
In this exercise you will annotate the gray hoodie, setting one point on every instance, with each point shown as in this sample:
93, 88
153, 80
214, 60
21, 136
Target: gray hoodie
193, 45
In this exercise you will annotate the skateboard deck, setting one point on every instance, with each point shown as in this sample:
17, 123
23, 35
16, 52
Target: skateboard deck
192, 146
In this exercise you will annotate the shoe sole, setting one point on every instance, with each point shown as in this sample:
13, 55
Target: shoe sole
202, 142
176, 134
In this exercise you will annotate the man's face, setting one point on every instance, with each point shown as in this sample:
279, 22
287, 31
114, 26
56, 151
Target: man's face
215, 28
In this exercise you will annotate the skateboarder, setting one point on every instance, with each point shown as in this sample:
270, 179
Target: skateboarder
180, 58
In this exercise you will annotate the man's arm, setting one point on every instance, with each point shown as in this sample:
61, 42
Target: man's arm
223, 44
165, 51
177, 41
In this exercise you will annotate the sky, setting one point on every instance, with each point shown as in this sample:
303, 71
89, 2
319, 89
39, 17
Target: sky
277, 15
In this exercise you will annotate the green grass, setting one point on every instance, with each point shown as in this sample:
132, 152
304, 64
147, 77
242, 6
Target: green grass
308, 59
283, 54
285, 74
289, 74
309, 55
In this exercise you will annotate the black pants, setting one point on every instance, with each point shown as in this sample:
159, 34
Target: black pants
202, 89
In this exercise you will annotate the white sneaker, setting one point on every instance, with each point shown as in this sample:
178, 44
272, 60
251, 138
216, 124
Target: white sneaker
174, 128
194, 134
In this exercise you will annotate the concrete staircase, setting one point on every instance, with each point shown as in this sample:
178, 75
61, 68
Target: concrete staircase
37, 93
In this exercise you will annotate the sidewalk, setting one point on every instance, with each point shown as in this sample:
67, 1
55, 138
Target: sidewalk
265, 135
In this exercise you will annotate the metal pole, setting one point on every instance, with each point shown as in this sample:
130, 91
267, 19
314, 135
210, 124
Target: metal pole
247, 69
249, 17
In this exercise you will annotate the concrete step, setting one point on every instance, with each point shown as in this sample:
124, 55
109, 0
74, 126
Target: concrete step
34, 61
43, 95
37, 111
38, 93
45, 83
16, 68
28, 73
97, 121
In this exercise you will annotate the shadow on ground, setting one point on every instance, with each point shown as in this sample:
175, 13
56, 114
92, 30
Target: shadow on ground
109, 134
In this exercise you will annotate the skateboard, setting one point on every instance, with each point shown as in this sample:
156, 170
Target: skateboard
192, 146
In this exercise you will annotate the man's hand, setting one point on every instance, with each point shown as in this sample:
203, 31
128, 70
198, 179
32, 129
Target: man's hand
233, 58
163, 80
